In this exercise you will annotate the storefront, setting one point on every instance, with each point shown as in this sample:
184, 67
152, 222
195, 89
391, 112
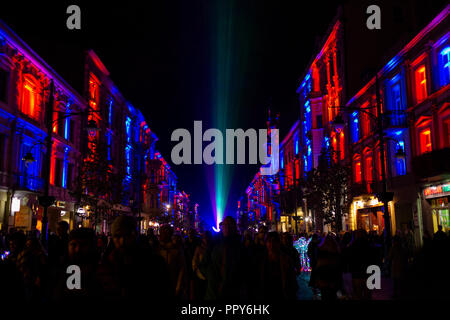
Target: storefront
366, 212
437, 197
25, 212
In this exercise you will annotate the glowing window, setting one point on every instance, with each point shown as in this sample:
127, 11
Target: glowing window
446, 132
354, 127
93, 92
368, 168
421, 83
396, 97
342, 145
357, 171
29, 105
444, 66
400, 163
425, 141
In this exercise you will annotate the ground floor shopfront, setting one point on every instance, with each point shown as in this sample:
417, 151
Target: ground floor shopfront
434, 200
21, 210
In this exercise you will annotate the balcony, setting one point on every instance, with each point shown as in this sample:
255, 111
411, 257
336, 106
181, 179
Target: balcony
394, 119
28, 182
432, 164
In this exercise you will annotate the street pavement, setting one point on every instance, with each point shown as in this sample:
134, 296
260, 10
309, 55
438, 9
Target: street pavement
306, 293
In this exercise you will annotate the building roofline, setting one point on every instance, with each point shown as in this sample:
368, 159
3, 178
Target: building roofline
389, 66
14, 40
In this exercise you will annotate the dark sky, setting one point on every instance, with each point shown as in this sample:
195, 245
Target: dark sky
159, 56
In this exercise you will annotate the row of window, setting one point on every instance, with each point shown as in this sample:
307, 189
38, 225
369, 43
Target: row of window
395, 96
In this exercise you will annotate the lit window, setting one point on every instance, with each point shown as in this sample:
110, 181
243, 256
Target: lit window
354, 126
368, 169
357, 171
400, 162
93, 92
342, 145
447, 132
29, 105
421, 83
396, 97
444, 65
425, 141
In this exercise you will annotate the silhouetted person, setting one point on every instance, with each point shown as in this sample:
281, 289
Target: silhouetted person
11, 279
361, 255
84, 252
130, 272
287, 245
328, 268
398, 257
198, 266
57, 243
174, 257
312, 255
227, 272
277, 272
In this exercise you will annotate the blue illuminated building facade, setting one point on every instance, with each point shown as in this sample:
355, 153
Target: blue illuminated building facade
414, 96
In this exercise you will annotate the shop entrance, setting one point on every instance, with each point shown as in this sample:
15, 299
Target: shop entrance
371, 219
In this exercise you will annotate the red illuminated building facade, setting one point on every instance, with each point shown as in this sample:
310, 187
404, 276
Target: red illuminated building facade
413, 91
24, 94
103, 160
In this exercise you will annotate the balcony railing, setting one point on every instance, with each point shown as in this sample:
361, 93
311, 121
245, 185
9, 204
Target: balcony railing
394, 119
28, 182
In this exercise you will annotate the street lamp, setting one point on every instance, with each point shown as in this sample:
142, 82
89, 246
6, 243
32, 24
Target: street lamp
28, 158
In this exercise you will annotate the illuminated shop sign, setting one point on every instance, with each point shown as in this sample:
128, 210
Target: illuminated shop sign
442, 189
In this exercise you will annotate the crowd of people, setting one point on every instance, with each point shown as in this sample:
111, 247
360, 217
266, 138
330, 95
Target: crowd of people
129, 265
224, 266
339, 265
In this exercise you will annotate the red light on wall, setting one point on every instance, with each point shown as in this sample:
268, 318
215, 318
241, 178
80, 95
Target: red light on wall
358, 173
420, 83
425, 141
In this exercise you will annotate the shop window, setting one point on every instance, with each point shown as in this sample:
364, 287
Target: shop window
420, 83
4, 80
444, 66
30, 98
425, 141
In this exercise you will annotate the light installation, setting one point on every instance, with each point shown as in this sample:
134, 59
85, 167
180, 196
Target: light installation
302, 247
227, 71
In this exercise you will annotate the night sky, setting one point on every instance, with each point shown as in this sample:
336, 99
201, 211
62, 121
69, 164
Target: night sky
160, 57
